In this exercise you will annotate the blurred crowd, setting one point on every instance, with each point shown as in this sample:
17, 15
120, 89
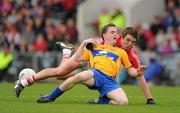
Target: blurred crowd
33, 26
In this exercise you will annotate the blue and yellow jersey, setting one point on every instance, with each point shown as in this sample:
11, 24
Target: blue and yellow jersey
107, 59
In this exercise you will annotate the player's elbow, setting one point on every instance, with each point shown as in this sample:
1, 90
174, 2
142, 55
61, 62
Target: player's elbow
76, 58
132, 72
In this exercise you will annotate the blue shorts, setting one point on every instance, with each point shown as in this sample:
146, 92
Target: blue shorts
103, 82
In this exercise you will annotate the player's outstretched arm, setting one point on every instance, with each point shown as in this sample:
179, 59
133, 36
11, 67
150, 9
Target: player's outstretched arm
146, 90
140, 75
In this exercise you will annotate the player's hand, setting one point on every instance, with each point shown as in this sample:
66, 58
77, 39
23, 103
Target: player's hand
90, 43
141, 70
90, 46
150, 101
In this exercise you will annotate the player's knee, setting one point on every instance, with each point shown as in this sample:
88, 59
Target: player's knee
122, 101
78, 77
59, 72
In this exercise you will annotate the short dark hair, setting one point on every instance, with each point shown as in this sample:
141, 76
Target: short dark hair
105, 28
130, 31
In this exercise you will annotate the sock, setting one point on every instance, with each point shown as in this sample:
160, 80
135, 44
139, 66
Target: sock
55, 94
103, 100
66, 53
28, 81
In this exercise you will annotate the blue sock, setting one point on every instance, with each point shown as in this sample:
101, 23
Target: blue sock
103, 100
55, 94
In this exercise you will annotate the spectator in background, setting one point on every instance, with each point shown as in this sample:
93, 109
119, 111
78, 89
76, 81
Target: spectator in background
156, 25
170, 34
142, 41
2, 37
154, 70
6, 7
72, 31
177, 16
147, 55
147, 39
118, 18
50, 34
166, 49
69, 6
40, 43
62, 31
6, 58
104, 18
39, 25
28, 32
171, 7
30, 48
175, 75
23, 45
160, 38
13, 35
177, 36
167, 19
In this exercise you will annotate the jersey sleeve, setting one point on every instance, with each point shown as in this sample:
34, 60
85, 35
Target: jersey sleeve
125, 60
134, 58
86, 55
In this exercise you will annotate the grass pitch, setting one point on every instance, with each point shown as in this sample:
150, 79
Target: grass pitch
74, 101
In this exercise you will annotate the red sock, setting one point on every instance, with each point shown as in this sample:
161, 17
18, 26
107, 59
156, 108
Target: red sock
28, 81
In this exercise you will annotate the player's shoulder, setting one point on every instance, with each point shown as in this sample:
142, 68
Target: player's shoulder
132, 51
98, 46
120, 50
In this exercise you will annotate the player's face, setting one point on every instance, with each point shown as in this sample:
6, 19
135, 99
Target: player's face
127, 42
110, 35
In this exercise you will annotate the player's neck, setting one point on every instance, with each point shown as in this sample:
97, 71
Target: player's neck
108, 43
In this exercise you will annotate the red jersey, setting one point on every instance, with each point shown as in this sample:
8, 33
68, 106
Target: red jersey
133, 57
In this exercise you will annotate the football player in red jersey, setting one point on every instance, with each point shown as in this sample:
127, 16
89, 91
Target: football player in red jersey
126, 41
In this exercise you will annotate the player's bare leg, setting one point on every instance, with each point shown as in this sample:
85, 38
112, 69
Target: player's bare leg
85, 77
118, 96
66, 76
64, 69
146, 90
